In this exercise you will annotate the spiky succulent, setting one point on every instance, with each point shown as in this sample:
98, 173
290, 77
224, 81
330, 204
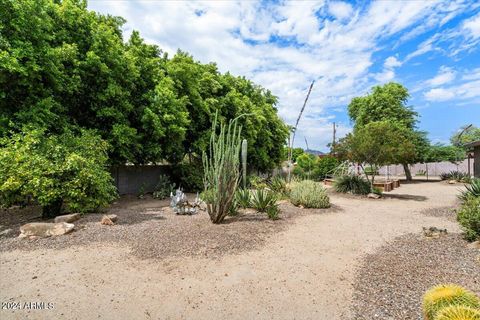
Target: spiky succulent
442, 296
458, 313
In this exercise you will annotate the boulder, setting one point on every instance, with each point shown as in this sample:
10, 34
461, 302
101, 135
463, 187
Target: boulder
373, 196
107, 221
452, 181
43, 229
68, 218
112, 217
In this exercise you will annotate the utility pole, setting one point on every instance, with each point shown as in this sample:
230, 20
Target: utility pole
306, 142
333, 142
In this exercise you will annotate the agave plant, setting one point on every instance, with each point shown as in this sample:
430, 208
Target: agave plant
472, 190
243, 198
442, 296
352, 184
263, 199
278, 185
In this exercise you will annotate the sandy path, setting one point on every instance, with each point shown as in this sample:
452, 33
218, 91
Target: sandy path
303, 273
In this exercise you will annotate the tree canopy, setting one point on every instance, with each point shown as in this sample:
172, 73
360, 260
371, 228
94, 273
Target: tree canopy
464, 135
63, 67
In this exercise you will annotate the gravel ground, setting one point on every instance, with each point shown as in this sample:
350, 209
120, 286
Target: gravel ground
448, 212
391, 282
151, 229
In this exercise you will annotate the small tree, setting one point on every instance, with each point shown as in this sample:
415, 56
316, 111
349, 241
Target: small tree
376, 144
222, 169
54, 170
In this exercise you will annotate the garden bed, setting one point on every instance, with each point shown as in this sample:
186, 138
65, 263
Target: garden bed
390, 282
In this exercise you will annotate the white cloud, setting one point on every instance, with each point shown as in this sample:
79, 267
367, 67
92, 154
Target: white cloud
466, 91
392, 62
439, 94
444, 76
472, 26
340, 10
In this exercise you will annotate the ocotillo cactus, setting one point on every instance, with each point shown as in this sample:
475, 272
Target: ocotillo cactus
244, 162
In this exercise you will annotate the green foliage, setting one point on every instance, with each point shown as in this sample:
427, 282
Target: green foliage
324, 167
469, 135
257, 182
370, 170
264, 200
64, 169
278, 185
455, 175
441, 296
304, 166
243, 198
64, 66
352, 184
163, 188
458, 312
472, 189
141, 191
309, 194
469, 217
222, 170
438, 153
295, 153
188, 176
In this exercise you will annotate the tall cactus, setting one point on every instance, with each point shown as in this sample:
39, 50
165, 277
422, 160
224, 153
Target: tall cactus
222, 169
244, 162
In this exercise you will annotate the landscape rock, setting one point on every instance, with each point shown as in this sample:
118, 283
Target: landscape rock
69, 218
44, 229
373, 196
434, 232
474, 245
452, 181
107, 221
112, 217
6, 232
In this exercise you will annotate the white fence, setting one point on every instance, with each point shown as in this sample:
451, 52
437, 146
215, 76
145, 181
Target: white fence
434, 168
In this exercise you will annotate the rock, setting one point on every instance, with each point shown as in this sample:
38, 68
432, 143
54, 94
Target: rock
373, 196
69, 218
434, 232
107, 221
452, 181
6, 232
112, 217
474, 245
43, 229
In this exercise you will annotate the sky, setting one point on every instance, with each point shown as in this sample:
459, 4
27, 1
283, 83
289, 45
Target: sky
431, 47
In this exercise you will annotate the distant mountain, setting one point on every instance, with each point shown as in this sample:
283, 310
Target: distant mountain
314, 152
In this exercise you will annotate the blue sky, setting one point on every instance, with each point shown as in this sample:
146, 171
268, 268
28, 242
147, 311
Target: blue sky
431, 47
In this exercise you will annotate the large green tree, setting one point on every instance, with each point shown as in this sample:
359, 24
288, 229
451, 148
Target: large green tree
63, 67
389, 103
464, 135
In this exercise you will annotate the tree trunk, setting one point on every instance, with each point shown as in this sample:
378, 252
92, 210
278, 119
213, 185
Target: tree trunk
408, 174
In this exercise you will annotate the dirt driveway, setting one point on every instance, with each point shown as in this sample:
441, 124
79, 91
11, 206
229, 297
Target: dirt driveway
303, 272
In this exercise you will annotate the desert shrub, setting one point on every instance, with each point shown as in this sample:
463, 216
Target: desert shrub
352, 184
262, 199
309, 194
441, 296
278, 184
188, 176
243, 198
222, 169
68, 170
458, 313
273, 211
257, 182
472, 190
163, 188
325, 166
455, 175
469, 218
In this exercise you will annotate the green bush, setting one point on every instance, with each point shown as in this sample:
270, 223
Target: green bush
469, 218
324, 167
278, 184
352, 184
455, 175
243, 198
257, 182
262, 199
67, 170
309, 194
188, 176
472, 190
163, 188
